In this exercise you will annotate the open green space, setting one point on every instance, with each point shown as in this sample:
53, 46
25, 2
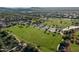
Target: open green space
75, 48
58, 22
44, 41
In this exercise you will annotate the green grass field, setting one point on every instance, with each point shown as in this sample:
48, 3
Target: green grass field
46, 41
75, 47
57, 22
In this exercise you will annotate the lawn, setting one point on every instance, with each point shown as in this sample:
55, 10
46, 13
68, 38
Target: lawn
57, 22
45, 41
74, 47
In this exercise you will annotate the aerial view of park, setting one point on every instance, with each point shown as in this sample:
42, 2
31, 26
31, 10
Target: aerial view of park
39, 29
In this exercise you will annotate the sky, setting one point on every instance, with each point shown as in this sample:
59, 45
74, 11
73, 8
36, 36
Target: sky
39, 3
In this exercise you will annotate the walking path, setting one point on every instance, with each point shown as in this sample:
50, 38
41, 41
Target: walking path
70, 27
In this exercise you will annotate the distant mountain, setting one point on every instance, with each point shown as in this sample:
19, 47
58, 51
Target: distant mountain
14, 10
37, 9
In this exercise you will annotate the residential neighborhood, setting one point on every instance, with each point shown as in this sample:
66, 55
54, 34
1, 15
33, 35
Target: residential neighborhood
41, 30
